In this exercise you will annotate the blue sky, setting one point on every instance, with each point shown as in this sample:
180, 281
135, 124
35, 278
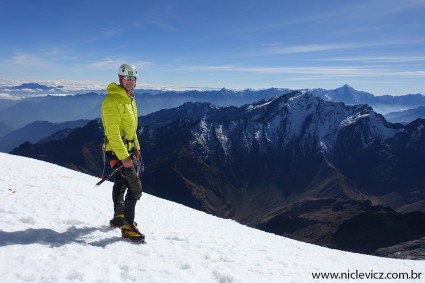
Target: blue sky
376, 46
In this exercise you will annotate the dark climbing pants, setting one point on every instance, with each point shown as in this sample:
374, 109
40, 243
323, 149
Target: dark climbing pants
126, 180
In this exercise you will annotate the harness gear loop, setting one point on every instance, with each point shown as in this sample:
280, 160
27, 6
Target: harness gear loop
138, 162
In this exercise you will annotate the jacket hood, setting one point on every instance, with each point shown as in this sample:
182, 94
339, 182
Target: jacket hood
114, 89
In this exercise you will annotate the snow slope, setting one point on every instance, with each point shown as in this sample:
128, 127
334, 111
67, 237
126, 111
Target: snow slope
54, 229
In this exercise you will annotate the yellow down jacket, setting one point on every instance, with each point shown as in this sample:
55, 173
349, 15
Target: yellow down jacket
119, 118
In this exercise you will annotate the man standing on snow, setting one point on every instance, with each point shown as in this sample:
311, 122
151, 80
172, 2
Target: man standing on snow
119, 118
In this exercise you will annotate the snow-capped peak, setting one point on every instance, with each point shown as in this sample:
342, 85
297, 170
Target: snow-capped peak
281, 120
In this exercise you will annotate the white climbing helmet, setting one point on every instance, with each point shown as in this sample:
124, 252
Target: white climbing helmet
127, 70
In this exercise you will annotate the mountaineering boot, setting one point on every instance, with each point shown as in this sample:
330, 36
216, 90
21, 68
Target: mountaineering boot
131, 232
117, 221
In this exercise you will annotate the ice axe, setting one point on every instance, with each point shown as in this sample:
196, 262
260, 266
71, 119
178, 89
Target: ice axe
109, 175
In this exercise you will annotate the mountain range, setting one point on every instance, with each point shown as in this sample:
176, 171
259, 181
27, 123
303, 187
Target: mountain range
406, 116
54, 109
37, 131
295, 165
15, 114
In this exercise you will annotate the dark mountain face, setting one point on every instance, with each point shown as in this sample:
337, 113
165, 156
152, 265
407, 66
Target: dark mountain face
393, 165
287, 140
293, 165
79, 150
35, 131
367, 232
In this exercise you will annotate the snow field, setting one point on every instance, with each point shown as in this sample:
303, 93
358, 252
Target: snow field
54, 228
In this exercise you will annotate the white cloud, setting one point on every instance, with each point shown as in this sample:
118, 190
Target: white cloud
412, 73
9, 97
382, 59
25, 60
283, 70
68, 85
113, 64
274, 50
107, 63
318, 72
277, 49
72, 86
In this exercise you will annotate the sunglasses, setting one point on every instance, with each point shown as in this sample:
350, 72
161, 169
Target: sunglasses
127, 78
